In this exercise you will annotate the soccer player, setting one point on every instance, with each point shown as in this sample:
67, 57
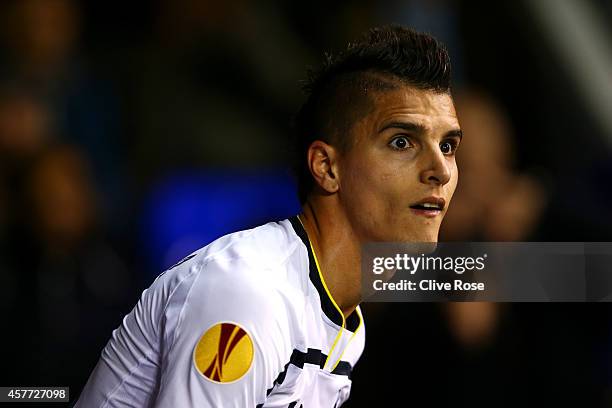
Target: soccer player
269, 317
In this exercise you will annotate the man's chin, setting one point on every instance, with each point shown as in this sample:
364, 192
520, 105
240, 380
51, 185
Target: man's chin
415, 248
426, 236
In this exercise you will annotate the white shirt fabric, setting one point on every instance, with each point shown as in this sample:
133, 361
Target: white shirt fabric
263, 284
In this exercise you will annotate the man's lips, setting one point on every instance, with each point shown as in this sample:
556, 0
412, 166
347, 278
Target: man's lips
429, 206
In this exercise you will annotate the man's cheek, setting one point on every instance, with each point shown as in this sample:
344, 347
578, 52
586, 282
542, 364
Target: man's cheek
452, 185
385, 177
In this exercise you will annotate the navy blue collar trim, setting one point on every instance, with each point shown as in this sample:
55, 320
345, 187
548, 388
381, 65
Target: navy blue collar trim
333, 314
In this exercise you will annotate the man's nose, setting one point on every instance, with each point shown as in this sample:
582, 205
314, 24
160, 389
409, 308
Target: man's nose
436, 169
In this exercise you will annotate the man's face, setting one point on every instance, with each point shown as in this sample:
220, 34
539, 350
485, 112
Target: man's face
399, 175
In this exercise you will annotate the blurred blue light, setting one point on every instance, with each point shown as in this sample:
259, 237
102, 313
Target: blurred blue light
187, 211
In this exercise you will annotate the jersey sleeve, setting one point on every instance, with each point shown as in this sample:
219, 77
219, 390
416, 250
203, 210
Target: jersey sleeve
232, 340
209, 333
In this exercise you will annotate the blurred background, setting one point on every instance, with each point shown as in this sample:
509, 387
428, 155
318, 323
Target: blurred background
133, 133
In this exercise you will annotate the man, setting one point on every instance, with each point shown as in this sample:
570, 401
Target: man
269, 317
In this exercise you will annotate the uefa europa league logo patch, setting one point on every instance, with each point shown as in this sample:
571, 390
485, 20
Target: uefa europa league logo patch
224, 353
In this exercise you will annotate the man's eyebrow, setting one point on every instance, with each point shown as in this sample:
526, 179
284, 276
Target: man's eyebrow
454, 133
418, 128
409, 126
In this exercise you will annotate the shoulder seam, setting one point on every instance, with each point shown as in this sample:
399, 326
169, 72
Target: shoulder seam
194, 269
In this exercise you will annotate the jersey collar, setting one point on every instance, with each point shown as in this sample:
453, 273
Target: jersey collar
328, 305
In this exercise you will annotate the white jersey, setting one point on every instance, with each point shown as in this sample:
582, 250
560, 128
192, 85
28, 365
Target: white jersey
247, 321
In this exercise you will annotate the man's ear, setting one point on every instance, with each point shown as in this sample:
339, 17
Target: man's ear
323, 165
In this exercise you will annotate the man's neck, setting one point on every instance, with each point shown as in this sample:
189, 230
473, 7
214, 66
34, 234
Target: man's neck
338, 251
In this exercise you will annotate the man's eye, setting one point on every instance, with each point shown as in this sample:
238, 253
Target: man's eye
400, 143
448, 147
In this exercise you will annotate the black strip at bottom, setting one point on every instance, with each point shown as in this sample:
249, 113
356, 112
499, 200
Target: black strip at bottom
314, 357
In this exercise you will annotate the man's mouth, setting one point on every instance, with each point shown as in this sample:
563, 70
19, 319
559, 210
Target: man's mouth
429, 207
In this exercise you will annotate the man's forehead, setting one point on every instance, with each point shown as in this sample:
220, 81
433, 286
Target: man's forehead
429, 108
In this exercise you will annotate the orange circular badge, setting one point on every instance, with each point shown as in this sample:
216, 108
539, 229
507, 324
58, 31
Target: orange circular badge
224, 353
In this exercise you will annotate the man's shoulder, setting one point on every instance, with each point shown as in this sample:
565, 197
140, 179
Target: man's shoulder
268, 245
270, 255
245, 278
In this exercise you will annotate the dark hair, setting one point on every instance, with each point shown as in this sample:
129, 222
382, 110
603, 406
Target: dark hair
384, 58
